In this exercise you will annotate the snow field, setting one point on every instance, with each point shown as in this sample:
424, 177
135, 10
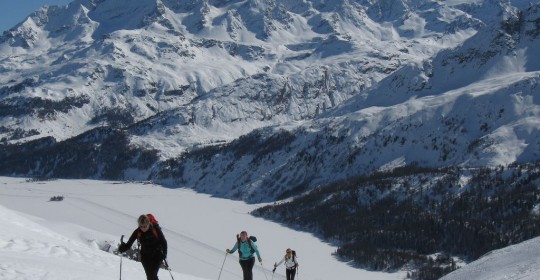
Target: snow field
62, 240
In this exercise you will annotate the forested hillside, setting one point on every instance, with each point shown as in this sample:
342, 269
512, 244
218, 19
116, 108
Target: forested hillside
404, 218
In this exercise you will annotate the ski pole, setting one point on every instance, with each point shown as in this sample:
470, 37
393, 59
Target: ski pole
120, 266
168, 268
226, 254
121, 241
264, 271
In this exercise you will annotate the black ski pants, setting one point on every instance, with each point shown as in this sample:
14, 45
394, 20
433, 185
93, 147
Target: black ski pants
151, 267
247, 268
290, 273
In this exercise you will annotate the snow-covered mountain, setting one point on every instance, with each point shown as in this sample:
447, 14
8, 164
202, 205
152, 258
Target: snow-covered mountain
226, 67
259, 100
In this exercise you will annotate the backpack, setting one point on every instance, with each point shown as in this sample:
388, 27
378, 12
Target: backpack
154, 226
249, 240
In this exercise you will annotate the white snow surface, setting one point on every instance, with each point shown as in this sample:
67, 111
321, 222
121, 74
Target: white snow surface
520, 261
41, 239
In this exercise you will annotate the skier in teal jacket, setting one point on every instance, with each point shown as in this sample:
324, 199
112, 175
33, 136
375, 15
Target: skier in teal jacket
246, 248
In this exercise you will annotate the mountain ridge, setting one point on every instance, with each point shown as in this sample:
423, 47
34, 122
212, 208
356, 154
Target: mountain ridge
346, 88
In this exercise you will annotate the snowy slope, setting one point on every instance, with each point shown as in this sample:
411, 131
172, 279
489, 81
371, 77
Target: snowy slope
34, 248
520, 261
53, 240
469, 106
55, 235
261, 100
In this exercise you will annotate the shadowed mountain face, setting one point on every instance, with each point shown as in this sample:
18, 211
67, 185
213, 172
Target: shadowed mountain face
259, 100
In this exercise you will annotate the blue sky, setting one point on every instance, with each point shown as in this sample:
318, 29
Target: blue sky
15, 11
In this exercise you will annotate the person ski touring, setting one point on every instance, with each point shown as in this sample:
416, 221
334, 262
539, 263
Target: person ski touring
246, 247
152, 242
291, 263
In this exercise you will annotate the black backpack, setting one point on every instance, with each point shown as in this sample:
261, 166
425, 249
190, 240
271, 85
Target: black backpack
249, 240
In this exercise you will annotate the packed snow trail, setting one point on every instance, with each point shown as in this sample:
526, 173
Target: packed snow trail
198, 227
30, 251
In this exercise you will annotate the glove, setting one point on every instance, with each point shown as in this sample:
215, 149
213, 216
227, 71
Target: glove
274, 270
122, 247
260, 260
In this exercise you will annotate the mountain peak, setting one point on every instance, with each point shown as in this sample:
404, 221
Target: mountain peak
369, 80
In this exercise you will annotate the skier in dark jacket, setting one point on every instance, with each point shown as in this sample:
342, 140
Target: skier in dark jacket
153, 246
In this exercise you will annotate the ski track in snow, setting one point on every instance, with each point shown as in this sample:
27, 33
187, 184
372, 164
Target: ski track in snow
173, 237
198, 229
